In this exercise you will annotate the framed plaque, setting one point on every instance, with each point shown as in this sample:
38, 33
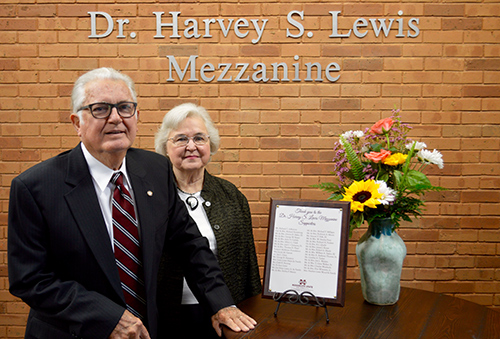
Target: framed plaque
307, 249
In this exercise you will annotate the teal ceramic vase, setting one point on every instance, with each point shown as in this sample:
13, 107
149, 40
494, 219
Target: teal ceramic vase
380, 253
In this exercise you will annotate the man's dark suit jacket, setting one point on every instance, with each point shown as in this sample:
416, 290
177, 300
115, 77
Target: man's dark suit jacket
61, 261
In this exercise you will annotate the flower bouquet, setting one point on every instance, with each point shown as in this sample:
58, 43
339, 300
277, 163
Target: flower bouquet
379, 171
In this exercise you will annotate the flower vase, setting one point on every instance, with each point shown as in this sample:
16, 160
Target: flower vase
380, 253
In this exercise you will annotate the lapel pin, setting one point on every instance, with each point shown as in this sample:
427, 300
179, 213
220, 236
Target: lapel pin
150, 193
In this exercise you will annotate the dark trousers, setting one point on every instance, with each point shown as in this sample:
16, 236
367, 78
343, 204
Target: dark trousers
194, 323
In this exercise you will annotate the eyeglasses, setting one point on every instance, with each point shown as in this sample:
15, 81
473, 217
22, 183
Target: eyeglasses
102, 110
182, 140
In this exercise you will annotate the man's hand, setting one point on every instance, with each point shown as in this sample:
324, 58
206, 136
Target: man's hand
129, 327
233, 318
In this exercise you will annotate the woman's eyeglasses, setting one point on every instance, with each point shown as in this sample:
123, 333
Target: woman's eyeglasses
182, 140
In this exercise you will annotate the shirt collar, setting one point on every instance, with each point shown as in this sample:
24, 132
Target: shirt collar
100, 172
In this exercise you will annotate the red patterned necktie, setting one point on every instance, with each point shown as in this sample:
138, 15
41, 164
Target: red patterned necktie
127, 248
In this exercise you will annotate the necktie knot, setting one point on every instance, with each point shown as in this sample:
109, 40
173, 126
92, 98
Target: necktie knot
117, 179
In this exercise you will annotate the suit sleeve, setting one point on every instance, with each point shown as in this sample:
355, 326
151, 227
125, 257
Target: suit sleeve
201, 268
63, 303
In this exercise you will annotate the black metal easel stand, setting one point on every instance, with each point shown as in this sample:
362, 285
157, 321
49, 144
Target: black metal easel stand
293, 297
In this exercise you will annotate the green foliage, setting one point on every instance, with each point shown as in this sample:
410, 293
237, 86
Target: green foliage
356, 165
405, 182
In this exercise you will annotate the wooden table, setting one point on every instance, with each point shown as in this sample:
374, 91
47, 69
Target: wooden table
417, 314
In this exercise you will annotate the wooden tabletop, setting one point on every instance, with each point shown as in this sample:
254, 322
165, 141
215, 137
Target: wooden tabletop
417, 314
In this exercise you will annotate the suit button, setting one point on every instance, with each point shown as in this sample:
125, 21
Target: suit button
208, 203
216, 227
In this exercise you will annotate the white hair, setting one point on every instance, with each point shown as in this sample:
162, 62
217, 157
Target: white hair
176, 116
78, 94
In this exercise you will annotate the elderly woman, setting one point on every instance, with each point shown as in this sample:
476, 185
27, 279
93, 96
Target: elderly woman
189, 138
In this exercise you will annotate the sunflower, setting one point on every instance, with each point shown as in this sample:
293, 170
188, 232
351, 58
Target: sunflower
361, 194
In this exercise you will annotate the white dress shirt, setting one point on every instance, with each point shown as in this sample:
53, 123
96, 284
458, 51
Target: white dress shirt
101, 176
200, 217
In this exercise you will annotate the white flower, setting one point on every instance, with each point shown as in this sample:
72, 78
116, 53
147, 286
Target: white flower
364, 150
359, 134
353, 134
434, 157
388, 194
418, 145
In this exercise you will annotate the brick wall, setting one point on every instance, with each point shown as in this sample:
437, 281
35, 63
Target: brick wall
277, 136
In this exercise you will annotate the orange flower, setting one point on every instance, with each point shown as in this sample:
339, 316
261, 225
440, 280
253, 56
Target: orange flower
382, 126
378, 156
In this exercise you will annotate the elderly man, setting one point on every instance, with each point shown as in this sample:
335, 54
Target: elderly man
87, 228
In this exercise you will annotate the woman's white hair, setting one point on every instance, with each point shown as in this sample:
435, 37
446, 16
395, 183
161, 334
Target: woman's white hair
78, 94
176, 116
